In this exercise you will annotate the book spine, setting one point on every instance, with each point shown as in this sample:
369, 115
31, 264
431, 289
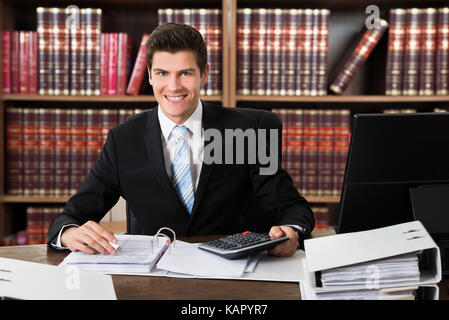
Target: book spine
33, 47
295, 147
341, 147
139, 69
104, 64
321, 215
77, 56
283, 52
361, 52
199, 22
325, 152
14, 151
30, 152
24, 75
428, 52
244, 51
109, 119
395, 53
112, 76
290, 52
46, 152
314, 52
214, 38
93, 137
62, 152
299, 51
123, 114
310, 154
207, 39
122, 62
6, 61
258, 54
323, 49
162, 16
15, 63
410, 83
77, 149
44, 34
34, 225
60, 51
270, 53
442, 54
306, 56
93, 50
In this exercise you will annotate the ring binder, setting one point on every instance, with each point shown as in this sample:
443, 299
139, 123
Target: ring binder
159, 233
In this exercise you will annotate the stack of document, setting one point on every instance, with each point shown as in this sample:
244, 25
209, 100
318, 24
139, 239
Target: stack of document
381, 263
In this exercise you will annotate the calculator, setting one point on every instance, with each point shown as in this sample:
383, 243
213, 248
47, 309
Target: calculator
241, 244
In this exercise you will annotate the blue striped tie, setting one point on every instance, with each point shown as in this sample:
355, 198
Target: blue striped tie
182, 176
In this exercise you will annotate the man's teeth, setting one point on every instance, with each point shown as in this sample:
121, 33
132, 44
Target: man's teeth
178, 98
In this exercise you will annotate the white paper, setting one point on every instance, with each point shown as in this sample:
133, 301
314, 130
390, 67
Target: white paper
35, 281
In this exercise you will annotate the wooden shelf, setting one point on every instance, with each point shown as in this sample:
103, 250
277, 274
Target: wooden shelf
316, 199
344, 99
141, 98
23, 199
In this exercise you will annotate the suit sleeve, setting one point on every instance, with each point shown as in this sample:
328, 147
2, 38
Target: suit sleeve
96, 196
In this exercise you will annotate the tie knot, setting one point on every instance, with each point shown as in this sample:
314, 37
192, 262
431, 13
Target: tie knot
180, 131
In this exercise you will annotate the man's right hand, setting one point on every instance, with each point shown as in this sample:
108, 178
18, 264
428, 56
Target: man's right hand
89, 238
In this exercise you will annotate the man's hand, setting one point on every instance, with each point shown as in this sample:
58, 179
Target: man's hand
89, 238
286, 248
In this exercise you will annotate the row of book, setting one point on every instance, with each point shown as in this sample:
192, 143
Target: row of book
282, 51
418, 52
209, 23
314, 149
321, 215
50, 151
38, 221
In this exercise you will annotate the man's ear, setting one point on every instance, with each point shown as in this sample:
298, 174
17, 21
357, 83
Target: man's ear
204, 75
150, 80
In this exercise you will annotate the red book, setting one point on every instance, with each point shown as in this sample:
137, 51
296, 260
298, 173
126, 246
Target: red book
6, 61
33, 45
34, 225
60, 55
78, 149
273, 52
62, 152
299, 49
289, 67
92, 29
244, 51
428, 51
214, 43
15, 64
112, 76
45, 45
14, 151
140, 67
104, 73
94, 141
24, 75
123, 56
410, 85
295, 147
46, 152
78, 56
109, 119
341, 146
323, 49
442, 54
325, 152
258, 52
310, 153
306, 53
30, 152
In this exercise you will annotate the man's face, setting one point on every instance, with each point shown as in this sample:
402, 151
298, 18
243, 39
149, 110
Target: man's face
176, 81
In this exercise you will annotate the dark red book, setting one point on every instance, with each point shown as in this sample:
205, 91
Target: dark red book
62, 152
295, 147
410, 85
288, 67
310, 153
48, 215
123, 57
104, 72
14, 151
33, 63
112, 76
306, 53
24, 59
428, 52
299, 51
77, 149
442, 53
34, 225
123, 114
44, 34
60, 51
314, 52
321, 215
109, 119
92, 29
78, 56
30, 152
214, 44
46, 152
140, 67
341, 147
325, 152
244, 51
6, 61
273, 52
395, 53
323, 49
359, 55
15, 62
258, 52
94, 141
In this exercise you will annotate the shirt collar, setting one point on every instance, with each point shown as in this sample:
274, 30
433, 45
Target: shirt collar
193, 123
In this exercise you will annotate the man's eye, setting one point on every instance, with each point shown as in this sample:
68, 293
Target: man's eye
186, 73
162, 73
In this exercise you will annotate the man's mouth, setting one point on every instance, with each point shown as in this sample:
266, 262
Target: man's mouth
175, 98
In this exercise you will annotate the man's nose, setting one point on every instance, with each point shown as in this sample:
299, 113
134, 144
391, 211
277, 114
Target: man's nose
174, 83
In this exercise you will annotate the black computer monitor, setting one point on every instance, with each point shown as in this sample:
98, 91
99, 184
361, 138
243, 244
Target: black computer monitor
388, 155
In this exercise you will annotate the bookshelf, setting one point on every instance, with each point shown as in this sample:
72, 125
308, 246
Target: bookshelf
365, 93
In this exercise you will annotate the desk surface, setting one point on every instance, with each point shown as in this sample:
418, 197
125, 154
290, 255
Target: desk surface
166, 288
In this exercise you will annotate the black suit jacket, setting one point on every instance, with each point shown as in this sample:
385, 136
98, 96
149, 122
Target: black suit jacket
131, 165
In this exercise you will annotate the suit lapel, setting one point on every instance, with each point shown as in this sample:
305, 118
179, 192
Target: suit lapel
153, 144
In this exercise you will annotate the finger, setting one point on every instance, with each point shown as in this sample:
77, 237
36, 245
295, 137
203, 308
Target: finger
91, 231
94, 240
78, 246
276, 232
103, 232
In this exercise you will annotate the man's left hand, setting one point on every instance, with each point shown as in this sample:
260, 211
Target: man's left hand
286, 248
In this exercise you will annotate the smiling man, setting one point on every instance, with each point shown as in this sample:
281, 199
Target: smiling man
154, 160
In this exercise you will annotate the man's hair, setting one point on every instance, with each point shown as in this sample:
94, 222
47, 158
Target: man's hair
174, 37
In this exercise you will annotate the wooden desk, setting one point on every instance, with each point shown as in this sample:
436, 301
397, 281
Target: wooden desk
166, 288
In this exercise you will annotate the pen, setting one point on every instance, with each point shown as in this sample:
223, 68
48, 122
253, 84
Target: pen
115, 245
